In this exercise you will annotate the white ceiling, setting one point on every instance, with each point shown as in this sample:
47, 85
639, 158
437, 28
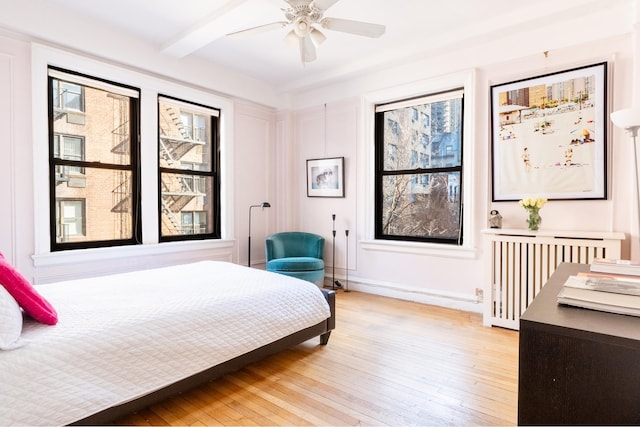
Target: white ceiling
415, 29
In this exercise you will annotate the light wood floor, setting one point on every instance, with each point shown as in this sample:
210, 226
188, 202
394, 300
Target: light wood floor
388, 362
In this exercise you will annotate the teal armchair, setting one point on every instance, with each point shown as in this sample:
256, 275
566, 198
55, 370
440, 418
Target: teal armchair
297, 254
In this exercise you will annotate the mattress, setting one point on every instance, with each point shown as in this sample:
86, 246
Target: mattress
122, 336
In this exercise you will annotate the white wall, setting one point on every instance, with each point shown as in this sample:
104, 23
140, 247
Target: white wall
16, 179
254, 173
418, 272
268, 150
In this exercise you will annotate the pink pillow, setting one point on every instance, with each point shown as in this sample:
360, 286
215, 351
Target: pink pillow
26, 295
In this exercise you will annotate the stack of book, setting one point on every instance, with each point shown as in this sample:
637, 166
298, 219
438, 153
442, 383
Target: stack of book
615, 266
611, 285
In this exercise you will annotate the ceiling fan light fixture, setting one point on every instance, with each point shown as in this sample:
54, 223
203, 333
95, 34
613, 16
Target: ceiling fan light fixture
301, 26
303, 16
291, 39
317, 36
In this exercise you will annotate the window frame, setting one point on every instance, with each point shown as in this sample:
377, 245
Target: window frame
379, 172
196, 174
133, 167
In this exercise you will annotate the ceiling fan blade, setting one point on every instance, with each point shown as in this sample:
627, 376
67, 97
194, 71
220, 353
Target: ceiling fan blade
307, 49
324, 4
259, 29
354, 27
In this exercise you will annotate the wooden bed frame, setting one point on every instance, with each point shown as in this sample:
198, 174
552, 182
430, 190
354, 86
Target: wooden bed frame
322, 329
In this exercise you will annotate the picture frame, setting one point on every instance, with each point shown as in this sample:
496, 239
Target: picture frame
548, 136
325, 177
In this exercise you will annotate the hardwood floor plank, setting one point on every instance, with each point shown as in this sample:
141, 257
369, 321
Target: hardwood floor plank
389, 362
307, 406
363, 400
329, 398
255, 406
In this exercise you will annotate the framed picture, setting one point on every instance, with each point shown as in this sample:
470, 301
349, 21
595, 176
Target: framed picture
325, 177
549, 136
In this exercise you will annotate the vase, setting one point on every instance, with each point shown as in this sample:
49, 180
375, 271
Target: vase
534, 219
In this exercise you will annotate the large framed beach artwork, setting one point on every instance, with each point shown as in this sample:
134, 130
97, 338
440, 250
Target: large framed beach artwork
549, 136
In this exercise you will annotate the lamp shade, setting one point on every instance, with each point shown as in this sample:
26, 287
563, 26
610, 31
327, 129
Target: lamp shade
626, 119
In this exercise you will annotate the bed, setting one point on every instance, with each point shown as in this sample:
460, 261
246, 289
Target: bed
125, 341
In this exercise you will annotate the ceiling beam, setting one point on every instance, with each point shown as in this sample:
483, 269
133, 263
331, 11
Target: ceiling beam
224, 20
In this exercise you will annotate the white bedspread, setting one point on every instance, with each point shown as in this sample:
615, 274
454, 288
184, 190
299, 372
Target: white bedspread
122, 336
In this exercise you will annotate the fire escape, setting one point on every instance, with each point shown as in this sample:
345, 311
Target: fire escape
121, 150
177, 190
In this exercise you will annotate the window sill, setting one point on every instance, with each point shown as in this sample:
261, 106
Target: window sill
423, 249
126, 252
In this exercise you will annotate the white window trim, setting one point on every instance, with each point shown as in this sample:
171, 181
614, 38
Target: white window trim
366, 156
45, 56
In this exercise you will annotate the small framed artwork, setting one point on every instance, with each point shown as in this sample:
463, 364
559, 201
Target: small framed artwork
325, 177
549, 136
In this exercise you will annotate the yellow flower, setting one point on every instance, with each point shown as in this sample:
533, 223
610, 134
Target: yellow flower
533, 202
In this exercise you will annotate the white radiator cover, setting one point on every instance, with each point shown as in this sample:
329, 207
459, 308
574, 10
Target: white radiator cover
523, 260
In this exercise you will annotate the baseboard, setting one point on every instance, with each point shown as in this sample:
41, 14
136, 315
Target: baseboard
463, 302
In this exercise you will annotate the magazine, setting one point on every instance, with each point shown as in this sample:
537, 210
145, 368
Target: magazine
615, 266
611, 284
601, 301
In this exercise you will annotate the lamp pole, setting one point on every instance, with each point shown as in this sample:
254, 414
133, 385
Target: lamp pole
261, 205
346, 233
634, 134
629, 120
335, 283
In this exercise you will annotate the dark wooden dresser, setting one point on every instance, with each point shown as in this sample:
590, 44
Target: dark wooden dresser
577, 366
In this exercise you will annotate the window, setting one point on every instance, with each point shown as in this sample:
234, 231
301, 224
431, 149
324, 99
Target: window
189, 173
93, 162
70, 216
69, 148
193, 222
418, 169
194, 125
67, 96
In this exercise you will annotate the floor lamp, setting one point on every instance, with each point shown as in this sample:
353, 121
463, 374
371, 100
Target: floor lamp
629, 120
261, 205
335, 283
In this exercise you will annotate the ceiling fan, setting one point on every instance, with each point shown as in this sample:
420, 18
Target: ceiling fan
305, 17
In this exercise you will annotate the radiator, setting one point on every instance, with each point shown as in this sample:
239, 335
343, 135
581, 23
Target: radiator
522, 261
